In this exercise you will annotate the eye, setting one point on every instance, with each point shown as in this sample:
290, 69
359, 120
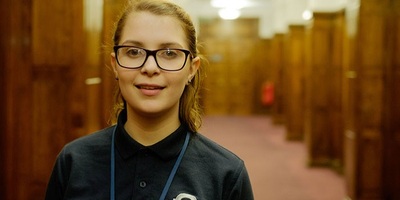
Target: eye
169, 53
134, 52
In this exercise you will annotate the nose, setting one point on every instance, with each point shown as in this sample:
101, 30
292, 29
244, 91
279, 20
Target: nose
150, 67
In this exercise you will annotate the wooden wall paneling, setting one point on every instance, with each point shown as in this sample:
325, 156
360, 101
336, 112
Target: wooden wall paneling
394, 172
372, 142
16, 104
391, 173
47, 50
242, 73
230, 47
111, 11
308, 89
324, 117
218, 28
94, 52
5, 8
4, 14
277, 58
264, 67
370, 53
41, 111
371, 106
349, 97
317, 140
214, 97
59, 48
48, 136
78, 107
294, 77
336, 117
58, 79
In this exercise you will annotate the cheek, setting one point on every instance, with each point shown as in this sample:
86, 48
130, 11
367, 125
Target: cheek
181, 79
179, 83
125, 75
125, 82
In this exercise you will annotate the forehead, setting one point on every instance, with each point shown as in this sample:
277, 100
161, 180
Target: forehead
152, 30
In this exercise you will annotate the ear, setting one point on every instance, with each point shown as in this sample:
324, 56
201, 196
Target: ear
114, 64
194, 67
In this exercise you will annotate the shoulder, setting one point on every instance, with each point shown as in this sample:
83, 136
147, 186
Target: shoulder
79, 164
87, 152
95, 143
223, 174
213, 153
101, 137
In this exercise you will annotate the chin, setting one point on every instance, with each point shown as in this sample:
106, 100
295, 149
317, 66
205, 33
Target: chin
154, 111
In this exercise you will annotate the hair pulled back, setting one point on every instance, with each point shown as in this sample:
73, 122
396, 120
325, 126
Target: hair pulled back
189, 108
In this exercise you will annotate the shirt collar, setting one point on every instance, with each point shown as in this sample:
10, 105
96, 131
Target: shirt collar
167, 148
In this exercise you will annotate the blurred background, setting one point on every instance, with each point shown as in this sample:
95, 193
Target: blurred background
327, 71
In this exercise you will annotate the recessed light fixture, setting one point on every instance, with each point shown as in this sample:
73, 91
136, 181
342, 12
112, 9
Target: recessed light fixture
229, 13
307, 15
230, 9
235, 4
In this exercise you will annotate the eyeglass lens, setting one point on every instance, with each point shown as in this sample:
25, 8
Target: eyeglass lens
167, 59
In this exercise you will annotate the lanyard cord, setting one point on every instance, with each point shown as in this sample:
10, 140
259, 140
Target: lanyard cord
112, 164
173, 172
171, 175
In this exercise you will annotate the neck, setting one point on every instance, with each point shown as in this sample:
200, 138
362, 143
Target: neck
150, 130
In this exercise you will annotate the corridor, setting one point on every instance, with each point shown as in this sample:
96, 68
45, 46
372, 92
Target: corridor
277, 168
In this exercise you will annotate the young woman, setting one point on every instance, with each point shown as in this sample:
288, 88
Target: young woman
154, 150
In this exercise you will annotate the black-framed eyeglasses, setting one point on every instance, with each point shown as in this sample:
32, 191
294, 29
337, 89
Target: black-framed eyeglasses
168, 59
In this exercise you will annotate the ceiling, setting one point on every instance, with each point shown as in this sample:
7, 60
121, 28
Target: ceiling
274, 15
265, 10
204, 8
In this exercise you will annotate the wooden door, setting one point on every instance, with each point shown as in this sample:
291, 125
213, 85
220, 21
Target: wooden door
294, 71
16, 99
277, 64
242, 73
215, 98
43, 82
323, 122
231, 49
391, 174
372, 111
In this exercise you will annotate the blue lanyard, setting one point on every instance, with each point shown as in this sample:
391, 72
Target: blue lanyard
171, 175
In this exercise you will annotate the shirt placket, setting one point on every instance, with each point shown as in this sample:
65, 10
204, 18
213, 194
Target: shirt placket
142, 182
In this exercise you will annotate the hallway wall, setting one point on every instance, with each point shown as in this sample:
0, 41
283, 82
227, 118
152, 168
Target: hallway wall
350, 114
342, 99
43, 104
237, 67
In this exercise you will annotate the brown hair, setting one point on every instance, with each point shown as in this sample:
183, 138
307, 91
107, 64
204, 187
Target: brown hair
189, 108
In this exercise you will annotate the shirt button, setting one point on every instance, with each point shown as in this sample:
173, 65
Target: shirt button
142, 184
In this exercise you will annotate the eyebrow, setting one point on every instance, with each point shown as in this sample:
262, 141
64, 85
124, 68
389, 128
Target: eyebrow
132, 42
162, 45
171, 44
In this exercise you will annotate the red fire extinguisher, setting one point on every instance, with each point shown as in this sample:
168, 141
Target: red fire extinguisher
267, 95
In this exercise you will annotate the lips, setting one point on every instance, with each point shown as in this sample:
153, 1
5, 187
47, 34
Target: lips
149, 89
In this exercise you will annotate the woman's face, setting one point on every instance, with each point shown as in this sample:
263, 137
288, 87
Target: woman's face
151, 91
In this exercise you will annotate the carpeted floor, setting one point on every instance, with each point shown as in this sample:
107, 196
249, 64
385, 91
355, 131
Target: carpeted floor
277, 168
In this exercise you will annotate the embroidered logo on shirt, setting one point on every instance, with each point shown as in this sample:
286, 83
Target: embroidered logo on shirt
184, 196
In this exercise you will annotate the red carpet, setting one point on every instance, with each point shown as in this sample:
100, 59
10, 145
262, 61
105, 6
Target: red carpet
277, 168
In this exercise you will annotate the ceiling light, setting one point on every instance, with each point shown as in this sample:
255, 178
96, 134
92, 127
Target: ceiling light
236, 4
229, 13
307, 15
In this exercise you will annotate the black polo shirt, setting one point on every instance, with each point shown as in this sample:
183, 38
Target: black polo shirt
207, 171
